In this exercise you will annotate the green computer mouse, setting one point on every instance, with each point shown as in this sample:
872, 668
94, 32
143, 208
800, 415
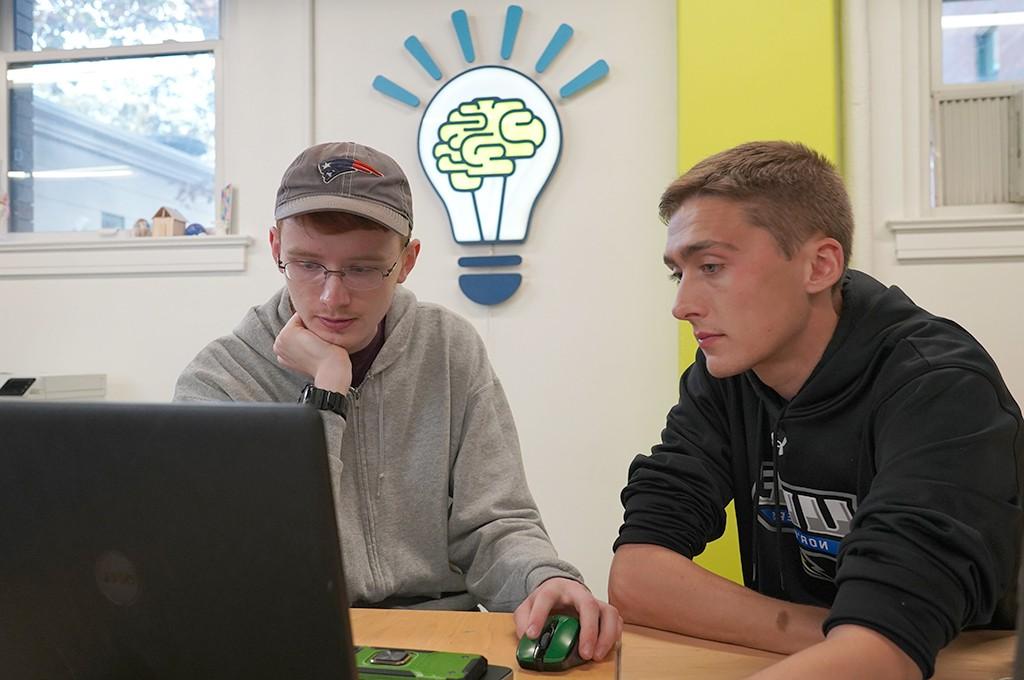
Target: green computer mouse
555, 649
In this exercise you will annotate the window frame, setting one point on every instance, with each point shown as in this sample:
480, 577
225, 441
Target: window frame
936, 83
105, 250
892, 51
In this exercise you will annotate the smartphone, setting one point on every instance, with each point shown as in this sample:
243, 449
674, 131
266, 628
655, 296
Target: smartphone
374, 663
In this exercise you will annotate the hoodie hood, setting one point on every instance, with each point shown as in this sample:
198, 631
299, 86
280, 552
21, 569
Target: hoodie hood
874, 318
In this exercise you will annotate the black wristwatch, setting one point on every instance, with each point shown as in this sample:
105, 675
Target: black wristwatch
325, 400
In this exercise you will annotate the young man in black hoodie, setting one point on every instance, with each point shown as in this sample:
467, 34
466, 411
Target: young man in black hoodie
872, 449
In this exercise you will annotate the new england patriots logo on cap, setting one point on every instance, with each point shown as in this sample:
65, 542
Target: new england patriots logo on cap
330, 169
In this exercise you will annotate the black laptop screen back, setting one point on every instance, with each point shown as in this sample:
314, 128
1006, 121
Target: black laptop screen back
168, 541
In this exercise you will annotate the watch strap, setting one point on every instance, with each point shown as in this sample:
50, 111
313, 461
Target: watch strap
324, 400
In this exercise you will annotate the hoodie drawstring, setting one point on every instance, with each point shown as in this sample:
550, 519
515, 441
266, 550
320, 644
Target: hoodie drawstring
777, 443
381, 431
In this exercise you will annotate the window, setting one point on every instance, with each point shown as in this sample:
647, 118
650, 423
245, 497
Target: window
977, 114
982, 41
893, 70
110, 112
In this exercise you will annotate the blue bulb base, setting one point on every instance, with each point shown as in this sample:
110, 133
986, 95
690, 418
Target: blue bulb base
489, 289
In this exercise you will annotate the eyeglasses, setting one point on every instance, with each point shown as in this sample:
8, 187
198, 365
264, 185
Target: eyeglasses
356, 277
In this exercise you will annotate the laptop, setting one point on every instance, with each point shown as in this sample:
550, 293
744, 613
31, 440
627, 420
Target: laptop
167, 541
1018, 666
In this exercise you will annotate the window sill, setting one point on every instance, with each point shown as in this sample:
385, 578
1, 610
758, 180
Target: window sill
959, 238
31, 257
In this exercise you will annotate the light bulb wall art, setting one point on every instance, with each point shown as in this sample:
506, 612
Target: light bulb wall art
489, 140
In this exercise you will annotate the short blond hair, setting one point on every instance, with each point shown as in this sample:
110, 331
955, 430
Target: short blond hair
784, 187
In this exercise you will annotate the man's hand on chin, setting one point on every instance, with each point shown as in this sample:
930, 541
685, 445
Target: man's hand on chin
300, 349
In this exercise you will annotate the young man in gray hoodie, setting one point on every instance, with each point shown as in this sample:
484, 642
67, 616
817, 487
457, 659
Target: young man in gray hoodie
431, 496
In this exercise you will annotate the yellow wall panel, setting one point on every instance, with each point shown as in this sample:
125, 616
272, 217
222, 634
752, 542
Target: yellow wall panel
749, 70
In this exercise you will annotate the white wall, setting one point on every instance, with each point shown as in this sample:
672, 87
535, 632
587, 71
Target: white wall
586, 349
887, 77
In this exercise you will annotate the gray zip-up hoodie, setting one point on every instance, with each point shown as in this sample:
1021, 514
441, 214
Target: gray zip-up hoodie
429, 487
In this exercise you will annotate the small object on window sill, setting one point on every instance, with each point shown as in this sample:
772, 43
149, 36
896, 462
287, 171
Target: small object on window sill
195, 229
227, 200
168, 222
141, 228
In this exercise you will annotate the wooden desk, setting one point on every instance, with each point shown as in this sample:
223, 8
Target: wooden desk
649, 654
492, 635
646, 654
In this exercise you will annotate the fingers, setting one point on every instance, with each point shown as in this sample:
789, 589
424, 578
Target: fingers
281, 342
521, 616
297, 348
590, 617
544, 600
611, 631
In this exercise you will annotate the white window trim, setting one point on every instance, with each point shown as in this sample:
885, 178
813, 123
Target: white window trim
103, 254
959, 238
97, 252
888, 79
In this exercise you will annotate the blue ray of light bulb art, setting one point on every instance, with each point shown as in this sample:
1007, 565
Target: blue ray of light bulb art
513, 15
489, 139
420, 54
555, 46
589, 76
461, 23
395, 91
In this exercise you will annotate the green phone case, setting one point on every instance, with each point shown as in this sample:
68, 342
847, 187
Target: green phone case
376, 663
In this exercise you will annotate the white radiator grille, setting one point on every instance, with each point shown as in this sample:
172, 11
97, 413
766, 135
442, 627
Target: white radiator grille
977, 150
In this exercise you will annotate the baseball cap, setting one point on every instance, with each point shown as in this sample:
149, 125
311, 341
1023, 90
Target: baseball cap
347, 177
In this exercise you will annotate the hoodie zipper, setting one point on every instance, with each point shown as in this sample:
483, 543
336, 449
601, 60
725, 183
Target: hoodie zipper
369, 533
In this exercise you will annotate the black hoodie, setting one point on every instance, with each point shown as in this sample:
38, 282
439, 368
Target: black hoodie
898, 463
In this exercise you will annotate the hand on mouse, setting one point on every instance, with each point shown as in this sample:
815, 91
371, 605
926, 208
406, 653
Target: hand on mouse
600, 623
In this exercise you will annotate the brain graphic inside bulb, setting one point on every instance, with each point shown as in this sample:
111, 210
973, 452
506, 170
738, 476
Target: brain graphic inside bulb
488, 157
